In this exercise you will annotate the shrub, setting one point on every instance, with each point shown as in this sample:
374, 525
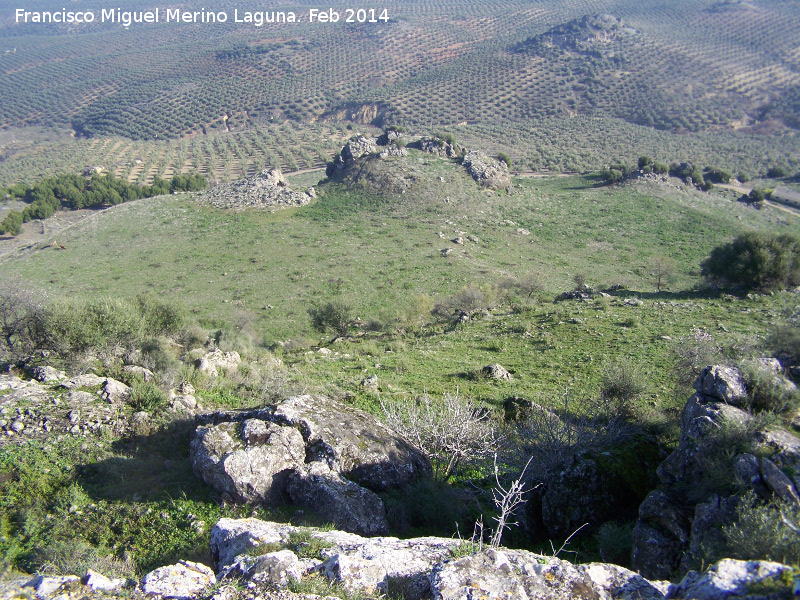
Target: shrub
505, 158
334, 316
430, 506
768, 390
660, 168
12, 224
449, 432
20, 321
777, 173
161, 317
622, 383
644, 161
785, 339
615, 541
761, 531
147, 396
755, 260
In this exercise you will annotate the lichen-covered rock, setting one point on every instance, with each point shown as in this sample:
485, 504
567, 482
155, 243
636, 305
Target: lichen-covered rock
496, 371
487, 171
723, 383
352, 442
278, 568
46, 374
98, 582
47, 587
184, 580
501, 574
337, 500
249, 461
115, 391
727, 579
88, 380
137, 371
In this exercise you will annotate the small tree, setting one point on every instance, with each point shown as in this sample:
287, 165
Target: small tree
663, 270
505, 158
333, 316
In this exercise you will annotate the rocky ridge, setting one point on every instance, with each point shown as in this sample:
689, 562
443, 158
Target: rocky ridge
684, 517
266, 190
256, 559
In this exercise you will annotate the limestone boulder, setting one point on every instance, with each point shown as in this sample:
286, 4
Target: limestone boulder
217, 360
722, 383
337, 500
183, 581
352, 443
249, 461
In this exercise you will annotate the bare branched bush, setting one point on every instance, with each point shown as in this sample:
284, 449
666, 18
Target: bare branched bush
20, 321
467, 300
506, 500
552, 440
450, 431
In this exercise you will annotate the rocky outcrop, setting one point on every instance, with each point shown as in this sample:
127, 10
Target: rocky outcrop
217, 360
310, 451
183, 581
267, 190
354, 149
259, 559
487, 171
441, 569
32, 410
703, 479
337, 500
438, 147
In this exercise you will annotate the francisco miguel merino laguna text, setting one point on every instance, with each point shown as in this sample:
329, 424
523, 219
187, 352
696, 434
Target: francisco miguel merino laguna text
127, 18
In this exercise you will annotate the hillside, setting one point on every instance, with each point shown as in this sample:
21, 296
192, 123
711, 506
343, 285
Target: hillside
504, 72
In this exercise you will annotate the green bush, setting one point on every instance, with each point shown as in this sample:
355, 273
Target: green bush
334, 316
505, 158
147, 396
761, 531
768, 390
161, 317
785, 339
755, 260
12, 224
660, 168
615, 541
623, 382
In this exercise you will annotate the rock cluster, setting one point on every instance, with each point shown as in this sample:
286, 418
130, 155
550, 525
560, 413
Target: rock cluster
487, 171
58, 407
686, 513
310, 451
267, 190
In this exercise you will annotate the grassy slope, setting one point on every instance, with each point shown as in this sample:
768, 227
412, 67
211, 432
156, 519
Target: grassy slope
378, 253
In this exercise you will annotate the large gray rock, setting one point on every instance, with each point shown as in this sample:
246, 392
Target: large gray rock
46, 374
354, 561
337, 500
500, 574
728, 579
487, 171
184, 580
115, 391
723, 383
353, 443
249, 461
496, 371
88, 380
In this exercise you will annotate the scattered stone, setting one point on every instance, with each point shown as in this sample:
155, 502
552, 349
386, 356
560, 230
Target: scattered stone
267, 190
371, 382
497, 372
446, 251
458, 240
145, 374
17, 425
183, 581
213, 361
